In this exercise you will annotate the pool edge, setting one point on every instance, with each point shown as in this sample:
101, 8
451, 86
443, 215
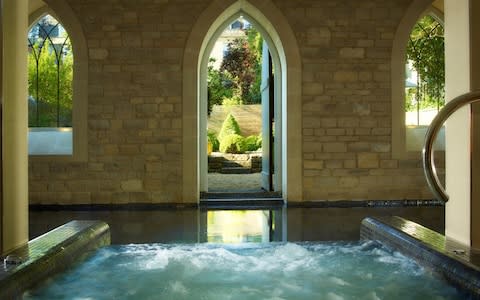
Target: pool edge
50, 254
449, 259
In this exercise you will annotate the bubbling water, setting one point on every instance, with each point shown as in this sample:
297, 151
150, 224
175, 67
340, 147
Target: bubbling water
334, 271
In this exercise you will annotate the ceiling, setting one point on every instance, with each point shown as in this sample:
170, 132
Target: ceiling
34, 5
438, 4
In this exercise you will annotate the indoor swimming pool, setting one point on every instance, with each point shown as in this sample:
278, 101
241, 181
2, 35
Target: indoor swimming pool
337, 270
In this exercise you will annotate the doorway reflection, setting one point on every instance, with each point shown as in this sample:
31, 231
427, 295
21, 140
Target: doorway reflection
225, 224
241, 226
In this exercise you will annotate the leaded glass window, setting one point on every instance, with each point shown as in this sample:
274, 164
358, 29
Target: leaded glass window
425, 81
50, 74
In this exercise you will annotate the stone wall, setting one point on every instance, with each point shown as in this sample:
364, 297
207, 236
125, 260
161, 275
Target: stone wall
346, 51
246, 163
135, 103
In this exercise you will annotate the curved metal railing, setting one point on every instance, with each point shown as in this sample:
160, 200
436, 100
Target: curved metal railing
428, 159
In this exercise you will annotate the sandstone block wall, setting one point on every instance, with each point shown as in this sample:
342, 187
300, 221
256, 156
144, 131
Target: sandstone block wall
135, 108
346, 53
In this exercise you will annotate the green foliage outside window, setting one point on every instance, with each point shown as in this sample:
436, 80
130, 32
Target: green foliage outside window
50, 76
426, 51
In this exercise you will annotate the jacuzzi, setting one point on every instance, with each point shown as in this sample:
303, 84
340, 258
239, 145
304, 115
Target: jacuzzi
394, 259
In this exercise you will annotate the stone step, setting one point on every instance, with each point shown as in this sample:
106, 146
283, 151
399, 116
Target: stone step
241, 204
230, 164
235, 170
239, 195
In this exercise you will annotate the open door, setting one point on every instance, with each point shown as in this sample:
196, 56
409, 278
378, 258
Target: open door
1, 130
267, 91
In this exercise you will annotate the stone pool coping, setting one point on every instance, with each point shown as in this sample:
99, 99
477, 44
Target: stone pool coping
50, 254
455, 262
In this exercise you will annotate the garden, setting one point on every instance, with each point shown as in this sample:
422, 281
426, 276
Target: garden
232, 87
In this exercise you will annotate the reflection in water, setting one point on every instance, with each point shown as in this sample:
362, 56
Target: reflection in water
241, 226
238, 226
196, 225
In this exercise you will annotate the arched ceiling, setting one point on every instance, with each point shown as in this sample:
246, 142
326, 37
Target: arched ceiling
438, 4
34, 5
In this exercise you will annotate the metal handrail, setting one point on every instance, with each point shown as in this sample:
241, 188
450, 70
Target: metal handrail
427, 154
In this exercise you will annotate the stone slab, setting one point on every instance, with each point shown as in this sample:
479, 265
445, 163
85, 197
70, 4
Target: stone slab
455, 262
50, 254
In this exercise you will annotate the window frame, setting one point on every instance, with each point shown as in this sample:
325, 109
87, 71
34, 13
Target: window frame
415, 12
62, 12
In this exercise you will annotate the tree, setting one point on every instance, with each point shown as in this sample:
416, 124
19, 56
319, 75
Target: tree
229, 126
239, 76
426, 50
50, 75
219, 86
255, 43
241, 63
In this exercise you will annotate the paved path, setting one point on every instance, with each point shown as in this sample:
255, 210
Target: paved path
234, 182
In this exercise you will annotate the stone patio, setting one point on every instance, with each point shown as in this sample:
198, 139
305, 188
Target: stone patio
234, 182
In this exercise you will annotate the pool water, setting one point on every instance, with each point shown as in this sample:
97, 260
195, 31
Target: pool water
353, 270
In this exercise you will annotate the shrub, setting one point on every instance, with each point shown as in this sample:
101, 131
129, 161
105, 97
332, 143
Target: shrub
232, 143
232, 101
252, 143
259, 141
229, 126
212, 138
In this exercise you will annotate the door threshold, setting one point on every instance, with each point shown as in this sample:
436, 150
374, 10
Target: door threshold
244, 204
239, 195
241, 200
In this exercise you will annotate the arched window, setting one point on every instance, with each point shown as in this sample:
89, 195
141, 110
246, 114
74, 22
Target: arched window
50, 87
237, 24
50, 75
56, 40
420, 28
425, 79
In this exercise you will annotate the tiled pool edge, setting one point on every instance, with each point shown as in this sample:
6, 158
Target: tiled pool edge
429, 248
51, 253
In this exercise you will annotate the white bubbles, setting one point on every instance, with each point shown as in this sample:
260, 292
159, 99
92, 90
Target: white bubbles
289, 286
333, 296
276, 298
159, 261
332, 271
178, 287
339, 281
291, 251
372, 296
367, 276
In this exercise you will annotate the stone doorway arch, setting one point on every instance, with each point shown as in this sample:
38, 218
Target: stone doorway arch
278, 34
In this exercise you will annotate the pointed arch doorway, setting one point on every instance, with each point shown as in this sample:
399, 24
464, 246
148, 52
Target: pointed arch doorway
270, 91
285, 60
